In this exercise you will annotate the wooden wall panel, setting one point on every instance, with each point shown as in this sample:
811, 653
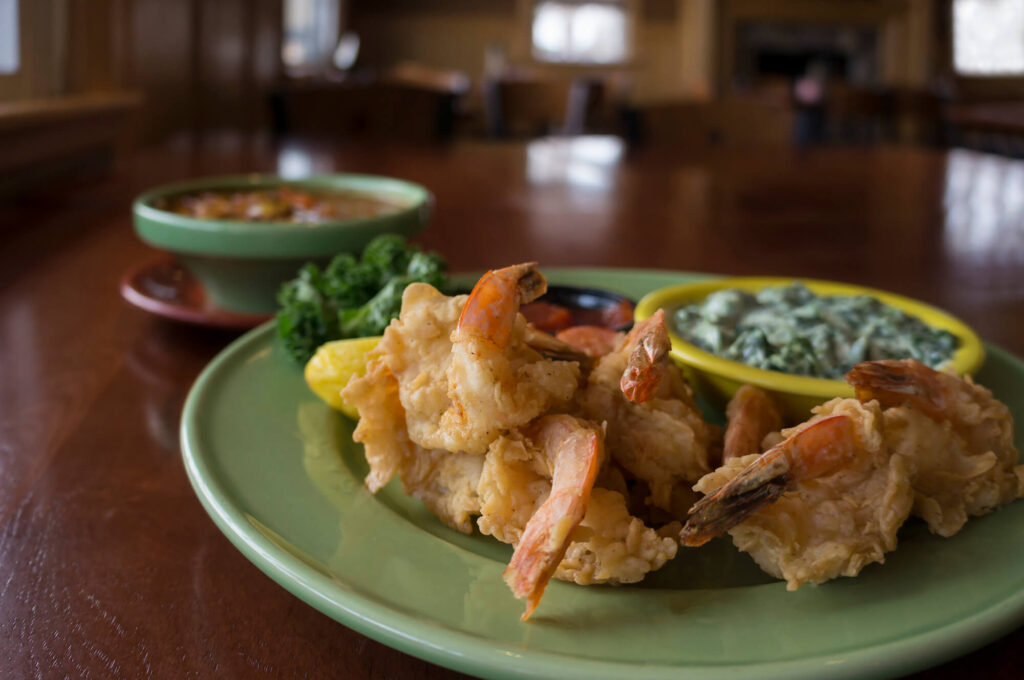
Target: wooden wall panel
96, 56
238, 60
201, 64
42, 30
160, 48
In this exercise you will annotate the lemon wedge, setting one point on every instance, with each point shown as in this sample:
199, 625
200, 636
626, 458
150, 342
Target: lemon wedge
333, 365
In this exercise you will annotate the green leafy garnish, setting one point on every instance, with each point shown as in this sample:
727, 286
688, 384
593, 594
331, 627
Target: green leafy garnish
352, 297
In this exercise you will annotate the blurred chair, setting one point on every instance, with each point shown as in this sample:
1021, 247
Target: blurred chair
891, 115
586, 107
918, 117
857, 115
526, 108
428, 77
408, 105
730, 122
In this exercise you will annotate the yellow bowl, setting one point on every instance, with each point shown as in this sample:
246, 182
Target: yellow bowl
719, 378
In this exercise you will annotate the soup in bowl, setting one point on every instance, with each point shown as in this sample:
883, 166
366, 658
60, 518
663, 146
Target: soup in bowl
242, 236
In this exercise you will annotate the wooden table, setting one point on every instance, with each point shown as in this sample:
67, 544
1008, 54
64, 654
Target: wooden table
109, 566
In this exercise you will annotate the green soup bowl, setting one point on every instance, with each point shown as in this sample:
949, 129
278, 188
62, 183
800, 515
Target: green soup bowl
242, 264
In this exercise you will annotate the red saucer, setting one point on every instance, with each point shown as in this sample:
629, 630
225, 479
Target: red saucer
165, 288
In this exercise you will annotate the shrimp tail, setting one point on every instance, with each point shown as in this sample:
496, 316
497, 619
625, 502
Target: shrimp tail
579, 451
553, 348
815, 451
900, 383
754, 488
491, 308
751, 414
646, 366
594, 341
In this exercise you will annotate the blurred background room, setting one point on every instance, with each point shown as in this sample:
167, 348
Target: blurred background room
89, 78
798, 127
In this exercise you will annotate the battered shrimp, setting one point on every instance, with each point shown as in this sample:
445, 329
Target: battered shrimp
959, 437
655, 432
648, 361
825, 502
751, 415
573, 450
445, 482
416, 350
594, 341
495, 380
534, 484
465, 370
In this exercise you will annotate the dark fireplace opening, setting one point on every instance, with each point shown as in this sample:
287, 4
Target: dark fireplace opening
768, 52
793, 65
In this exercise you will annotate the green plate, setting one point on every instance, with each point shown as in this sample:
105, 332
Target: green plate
280, 475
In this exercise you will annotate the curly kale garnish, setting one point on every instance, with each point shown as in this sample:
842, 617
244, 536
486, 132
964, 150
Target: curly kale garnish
352, 297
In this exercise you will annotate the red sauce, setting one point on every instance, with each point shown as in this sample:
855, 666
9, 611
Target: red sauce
546, 316
553, 318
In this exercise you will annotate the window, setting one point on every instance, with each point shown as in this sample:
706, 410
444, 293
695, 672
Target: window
310, 33
9, 49
988, 37
580, 32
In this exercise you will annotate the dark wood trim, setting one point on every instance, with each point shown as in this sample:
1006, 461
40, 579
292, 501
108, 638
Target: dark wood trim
44, 137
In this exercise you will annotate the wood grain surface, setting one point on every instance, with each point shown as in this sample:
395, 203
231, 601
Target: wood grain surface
109, 567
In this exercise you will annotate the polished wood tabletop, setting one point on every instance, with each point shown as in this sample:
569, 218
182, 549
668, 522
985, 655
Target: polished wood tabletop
110, 568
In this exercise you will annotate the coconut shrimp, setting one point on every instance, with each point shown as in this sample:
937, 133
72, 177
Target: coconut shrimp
825, 502
959, 437
655, 432
537, 492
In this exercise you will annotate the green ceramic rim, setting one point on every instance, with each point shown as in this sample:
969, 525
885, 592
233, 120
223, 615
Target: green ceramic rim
275, 240
475, 654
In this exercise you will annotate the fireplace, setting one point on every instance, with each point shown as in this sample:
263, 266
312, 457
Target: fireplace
769, 52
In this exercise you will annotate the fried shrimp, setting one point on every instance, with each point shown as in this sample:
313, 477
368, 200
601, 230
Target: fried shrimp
825, 502
573, 450
416, 350
534, 485
495, 380
923, 440
465, 369
750, 416
445, 482
594, 341
648, 359
655, 433
820, 449
958, 436
462, 401
560, 445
